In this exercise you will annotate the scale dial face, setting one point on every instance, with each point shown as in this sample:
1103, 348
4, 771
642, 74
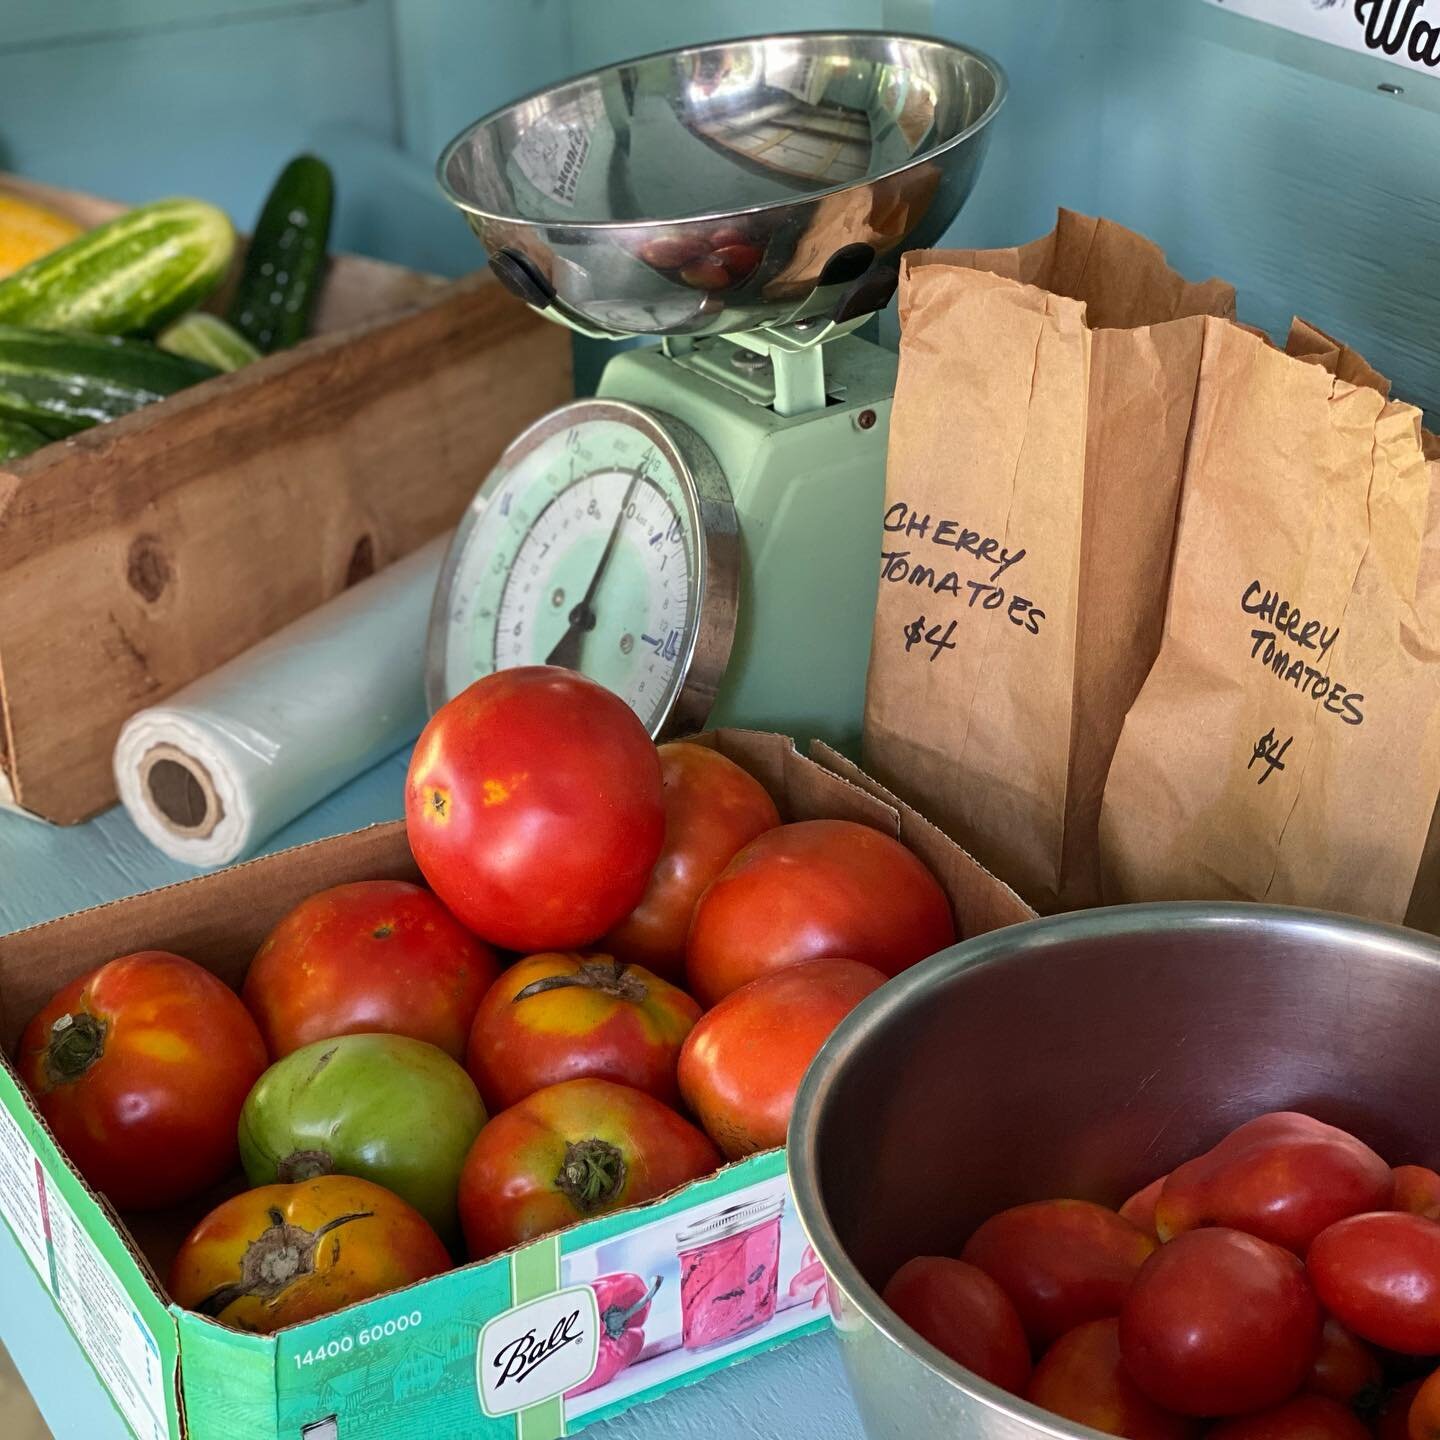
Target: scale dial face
604, 540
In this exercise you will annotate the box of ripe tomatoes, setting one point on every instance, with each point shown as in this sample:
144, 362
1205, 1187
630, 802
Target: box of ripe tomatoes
531, 1343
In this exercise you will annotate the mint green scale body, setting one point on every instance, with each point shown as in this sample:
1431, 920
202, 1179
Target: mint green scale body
808, 491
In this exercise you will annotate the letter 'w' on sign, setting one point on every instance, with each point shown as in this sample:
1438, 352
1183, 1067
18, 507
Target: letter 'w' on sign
1406, 32
548, 1343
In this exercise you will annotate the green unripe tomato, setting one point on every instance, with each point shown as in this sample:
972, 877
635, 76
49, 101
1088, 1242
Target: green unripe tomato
384, 1107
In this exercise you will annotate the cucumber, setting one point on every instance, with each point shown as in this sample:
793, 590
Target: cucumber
61, 383
17, 439
127, 276
203, 336
280, 279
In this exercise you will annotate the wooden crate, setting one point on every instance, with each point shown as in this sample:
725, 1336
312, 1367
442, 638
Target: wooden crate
141, 554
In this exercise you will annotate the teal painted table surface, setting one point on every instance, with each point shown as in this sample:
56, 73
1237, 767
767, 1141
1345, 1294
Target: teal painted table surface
797, 1391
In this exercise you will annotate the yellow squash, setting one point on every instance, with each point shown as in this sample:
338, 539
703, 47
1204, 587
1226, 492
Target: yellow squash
27, 231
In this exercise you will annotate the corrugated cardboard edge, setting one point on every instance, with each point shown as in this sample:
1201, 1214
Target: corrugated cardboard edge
983, 901
210, 918
219, 919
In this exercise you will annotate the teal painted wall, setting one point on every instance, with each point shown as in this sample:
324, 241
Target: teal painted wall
1245, 152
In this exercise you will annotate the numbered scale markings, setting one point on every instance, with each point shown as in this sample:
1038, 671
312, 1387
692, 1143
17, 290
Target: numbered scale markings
603, 541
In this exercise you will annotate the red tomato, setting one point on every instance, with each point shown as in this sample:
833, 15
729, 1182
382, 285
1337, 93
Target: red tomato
1062, 1262
1139, 1209
1424, 1419
534, 808
724, 235
1345, 1369
140, 1068
707, 273
1393, 1420
713, 809
1219, 1323
812, 891
1417, 1189
1306, 1417
570, 1152
1379, 1275
562, 1017
739, 260
744, 1060
1282, 1177
1081, 1378
964, 1314
670, 252
375, 957
283, 1254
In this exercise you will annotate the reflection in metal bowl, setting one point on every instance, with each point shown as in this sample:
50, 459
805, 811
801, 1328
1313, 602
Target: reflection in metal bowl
705, 190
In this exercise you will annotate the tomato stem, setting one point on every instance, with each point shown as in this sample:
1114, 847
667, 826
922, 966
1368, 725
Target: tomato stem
76, 1042
592, 1175
304, 1165
280, 1255
601, 972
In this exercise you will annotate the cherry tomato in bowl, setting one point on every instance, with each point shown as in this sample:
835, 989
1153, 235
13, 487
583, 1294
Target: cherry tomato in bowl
283, 1254
1423, 1420
810, 891
1345, 1369
1305, 1417
534, 808
141, 1068
372, 957
1219, 1323
1417, 1189
713, 809
1080, 1378
1062, 1262
965, 1315
742, 1064
1379, 1276
1139, 1209
1392, 1421
551, 1018
1282, 1177
569, 1152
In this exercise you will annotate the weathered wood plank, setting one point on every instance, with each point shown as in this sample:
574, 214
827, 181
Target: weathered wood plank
139, 555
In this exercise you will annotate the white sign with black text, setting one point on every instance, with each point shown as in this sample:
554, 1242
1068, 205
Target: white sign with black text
1404, 31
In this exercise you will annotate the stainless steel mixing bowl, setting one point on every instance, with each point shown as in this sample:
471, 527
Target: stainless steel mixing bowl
1083, 1056
726, 187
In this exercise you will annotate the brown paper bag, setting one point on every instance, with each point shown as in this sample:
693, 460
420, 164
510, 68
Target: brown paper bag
1286, 745
1036, 444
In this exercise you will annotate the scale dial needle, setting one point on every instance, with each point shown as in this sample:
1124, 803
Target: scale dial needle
582, 618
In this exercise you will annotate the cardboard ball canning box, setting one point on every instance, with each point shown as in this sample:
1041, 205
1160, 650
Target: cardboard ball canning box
141, 554
489, 1349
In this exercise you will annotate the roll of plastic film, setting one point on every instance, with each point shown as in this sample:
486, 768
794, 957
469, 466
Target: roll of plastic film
232, 757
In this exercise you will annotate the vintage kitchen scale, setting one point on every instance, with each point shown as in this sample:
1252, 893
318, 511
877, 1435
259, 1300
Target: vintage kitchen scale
701, 537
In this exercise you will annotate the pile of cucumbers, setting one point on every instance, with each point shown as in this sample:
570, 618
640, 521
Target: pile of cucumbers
110, 321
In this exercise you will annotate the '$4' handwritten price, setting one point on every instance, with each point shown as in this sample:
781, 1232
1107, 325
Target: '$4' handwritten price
1270, 752
938, 637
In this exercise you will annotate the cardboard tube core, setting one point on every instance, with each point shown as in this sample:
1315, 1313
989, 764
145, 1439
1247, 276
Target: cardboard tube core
180, 793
